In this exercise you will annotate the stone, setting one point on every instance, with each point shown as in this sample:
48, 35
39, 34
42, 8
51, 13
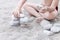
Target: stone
47, 32
22, 15
56, 27
45, 24
24, 20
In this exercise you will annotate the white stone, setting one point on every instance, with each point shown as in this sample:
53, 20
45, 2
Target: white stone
56, 27
47, 32
24, 20
48, 26
14, 21
57, 24
22, 15
45, 24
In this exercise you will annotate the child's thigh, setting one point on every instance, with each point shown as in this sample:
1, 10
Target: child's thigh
50, 16
33, 5
30, 4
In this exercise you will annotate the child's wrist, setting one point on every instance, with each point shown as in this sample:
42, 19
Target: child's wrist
18, 9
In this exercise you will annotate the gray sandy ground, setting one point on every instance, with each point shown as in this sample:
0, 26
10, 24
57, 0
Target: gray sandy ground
7, 32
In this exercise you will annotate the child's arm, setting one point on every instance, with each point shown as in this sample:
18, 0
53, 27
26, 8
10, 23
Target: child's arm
16, 12
54, 4
20, 4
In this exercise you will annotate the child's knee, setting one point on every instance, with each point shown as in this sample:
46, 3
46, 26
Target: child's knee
51, 15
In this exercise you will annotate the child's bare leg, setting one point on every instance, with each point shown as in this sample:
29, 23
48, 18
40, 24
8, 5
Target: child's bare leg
32, 10
51, 15
48, 16
33, 5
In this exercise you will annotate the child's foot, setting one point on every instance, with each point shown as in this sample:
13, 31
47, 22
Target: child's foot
45, 24
56, 28
15, 21
47, 32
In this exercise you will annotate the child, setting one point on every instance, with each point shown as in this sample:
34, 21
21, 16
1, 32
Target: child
49, 6
48, 11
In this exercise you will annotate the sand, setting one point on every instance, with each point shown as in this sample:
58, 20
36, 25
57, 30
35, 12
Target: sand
7, 32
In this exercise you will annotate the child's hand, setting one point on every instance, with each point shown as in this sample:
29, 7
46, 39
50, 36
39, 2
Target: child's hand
43, 10
50, 9
16, 12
